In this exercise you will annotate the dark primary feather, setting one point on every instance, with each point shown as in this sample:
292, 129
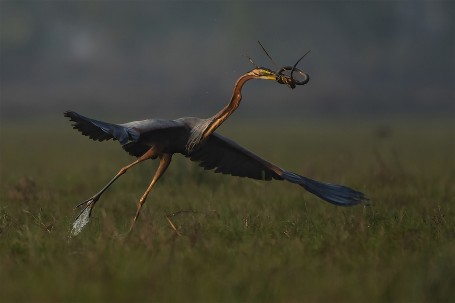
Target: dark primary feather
100, 131
333, 193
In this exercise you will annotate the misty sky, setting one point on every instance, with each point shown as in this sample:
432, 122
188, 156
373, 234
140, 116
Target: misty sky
141, 59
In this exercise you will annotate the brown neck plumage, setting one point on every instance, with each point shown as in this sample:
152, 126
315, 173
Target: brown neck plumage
223, 114
201, 131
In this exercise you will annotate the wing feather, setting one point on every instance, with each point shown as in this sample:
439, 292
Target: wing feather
228, 157
101, 131
136, 137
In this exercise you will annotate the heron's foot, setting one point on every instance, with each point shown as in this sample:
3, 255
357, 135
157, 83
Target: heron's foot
91, 201
84, 216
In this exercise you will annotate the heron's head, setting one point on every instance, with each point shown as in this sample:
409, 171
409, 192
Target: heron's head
263, 73
288, 75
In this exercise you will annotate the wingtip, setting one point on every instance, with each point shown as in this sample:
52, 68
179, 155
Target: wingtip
68, 113
333, 193
357, 198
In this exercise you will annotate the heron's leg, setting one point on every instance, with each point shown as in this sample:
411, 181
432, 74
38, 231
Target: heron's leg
165, 160
151, 153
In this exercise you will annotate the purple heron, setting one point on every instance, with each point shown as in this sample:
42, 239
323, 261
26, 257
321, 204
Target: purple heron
196, 139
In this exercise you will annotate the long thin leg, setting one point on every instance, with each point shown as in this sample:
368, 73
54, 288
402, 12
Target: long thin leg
165, 160
151, 153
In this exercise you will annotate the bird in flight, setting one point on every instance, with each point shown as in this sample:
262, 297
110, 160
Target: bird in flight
197, 140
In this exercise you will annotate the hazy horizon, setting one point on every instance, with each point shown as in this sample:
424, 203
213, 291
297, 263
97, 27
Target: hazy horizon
159, 59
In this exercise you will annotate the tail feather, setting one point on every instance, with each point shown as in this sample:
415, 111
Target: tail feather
100, 131
332, 193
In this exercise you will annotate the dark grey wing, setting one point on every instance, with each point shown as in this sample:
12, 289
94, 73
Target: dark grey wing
228, 157
136, 137
135, 149
100, 131
171, 135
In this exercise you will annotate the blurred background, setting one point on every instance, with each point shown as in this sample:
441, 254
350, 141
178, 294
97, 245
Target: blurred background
128, 60
377, 116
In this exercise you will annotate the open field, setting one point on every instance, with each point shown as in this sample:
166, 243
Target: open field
245, 241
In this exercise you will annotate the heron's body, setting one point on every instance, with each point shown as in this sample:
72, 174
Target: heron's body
171, 137
196, 139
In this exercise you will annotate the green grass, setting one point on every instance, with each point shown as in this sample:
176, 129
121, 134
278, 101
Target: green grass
245, 241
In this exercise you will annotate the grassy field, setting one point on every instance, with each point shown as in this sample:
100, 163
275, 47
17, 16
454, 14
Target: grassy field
244, 240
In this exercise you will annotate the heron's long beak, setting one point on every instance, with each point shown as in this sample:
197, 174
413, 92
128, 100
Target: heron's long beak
269, 77
262, 73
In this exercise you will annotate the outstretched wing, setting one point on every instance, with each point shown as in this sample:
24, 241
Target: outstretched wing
101, 131
136, 137
228, 157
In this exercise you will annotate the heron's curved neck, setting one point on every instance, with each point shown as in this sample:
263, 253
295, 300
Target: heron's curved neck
202, 130
223, 114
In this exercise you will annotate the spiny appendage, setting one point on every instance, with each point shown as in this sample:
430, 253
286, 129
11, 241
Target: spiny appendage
196, 134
